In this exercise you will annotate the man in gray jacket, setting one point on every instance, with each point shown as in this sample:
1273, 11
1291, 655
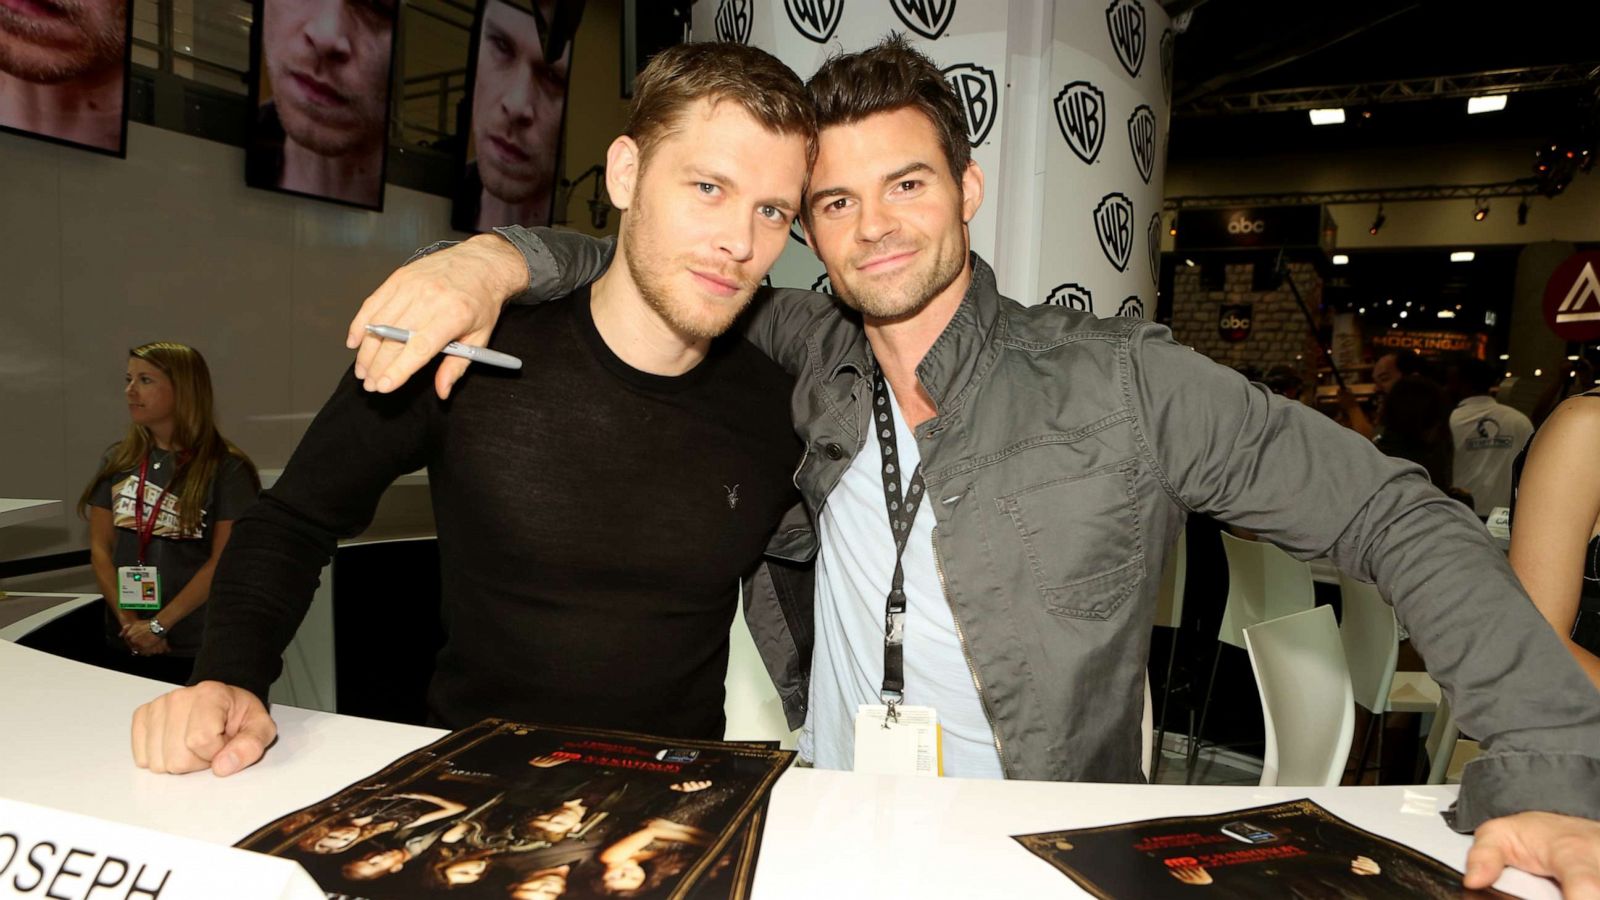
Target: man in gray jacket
1060, 455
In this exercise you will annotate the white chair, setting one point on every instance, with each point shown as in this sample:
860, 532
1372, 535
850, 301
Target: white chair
1306, 701
1169, 614
752, 707
1448, 754
1263, 583
1371, 637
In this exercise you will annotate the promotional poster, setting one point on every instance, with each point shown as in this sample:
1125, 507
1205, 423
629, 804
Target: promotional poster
504, 809
321, 98
520, 60
1295, 849
64, 71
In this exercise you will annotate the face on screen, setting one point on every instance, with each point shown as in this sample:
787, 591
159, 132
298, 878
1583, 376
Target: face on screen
328, 61
516, 105
57, 41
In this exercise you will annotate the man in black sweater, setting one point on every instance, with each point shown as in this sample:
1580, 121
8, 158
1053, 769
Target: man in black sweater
595, 509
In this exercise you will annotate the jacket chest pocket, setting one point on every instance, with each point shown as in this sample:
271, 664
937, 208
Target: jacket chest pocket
1079, 540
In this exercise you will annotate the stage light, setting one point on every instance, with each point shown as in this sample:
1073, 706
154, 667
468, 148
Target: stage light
1538, 372
1377, 221
1463, 256
1389, 302
1402, 314
1340, 259
1480, 210
1189, 263
1505, 357
1490, 103
1327, 116
1446, 314
1362, 310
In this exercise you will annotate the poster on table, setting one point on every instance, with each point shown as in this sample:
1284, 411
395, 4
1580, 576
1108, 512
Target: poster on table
505, 809
1295, 849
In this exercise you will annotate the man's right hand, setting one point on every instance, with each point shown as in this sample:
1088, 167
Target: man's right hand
453, 295
208, 726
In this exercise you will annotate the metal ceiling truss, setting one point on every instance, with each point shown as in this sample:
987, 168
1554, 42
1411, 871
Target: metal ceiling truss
1439, 87
1520, 188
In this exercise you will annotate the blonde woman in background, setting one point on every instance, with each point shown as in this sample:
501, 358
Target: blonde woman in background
160, 509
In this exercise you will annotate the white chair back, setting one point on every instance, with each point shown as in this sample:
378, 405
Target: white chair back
1305, 698
1263, 583
1371, 639
752, 707
1169, 597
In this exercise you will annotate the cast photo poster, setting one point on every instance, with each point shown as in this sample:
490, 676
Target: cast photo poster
502, 809
516, 99
320, 95
64, 71
1295, 849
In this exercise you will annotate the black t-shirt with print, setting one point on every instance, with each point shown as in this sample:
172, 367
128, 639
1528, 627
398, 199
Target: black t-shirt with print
176, 555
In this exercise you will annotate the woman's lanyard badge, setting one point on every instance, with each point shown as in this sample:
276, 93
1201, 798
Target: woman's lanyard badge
139, 587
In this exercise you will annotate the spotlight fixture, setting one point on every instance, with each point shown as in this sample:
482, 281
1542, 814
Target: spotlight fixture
1333, 116
1480, 210
1189, 263
1522, 212
1377, 221
1446, 314
1340, 259
1504, 357
1463, 256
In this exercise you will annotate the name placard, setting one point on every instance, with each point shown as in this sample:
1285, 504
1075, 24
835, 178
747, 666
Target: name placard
47, 853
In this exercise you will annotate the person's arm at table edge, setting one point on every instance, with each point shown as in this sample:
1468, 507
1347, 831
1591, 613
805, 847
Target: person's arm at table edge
1314, 488
355, 448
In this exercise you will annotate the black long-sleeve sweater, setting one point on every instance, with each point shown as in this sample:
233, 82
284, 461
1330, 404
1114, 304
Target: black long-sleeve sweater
593, 523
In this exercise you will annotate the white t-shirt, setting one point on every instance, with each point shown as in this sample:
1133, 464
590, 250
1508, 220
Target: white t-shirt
855, 565
1488, 436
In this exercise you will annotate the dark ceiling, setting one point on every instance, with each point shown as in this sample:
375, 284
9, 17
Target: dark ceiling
1233, 47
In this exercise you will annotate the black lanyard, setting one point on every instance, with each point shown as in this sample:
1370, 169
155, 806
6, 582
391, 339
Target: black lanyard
902, 512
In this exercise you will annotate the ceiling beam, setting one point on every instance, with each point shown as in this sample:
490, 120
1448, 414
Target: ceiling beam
1403, 90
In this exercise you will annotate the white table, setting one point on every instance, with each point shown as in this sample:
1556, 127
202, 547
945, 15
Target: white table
15, 511
64, 743
41, 609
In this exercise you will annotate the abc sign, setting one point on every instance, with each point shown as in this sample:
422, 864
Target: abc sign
1241, 225
1233, 323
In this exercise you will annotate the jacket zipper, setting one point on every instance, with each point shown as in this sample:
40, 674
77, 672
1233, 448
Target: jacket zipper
938, 565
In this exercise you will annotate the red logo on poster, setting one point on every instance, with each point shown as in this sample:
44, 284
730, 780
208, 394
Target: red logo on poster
1572, 298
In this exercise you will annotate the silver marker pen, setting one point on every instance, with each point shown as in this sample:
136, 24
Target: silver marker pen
465, 351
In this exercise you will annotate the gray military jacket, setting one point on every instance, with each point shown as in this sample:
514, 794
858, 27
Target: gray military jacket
1065, 456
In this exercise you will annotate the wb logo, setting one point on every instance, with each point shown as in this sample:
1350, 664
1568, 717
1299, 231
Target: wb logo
1132, 308
1142, 138
1113, 225
822, 285
1125, 20
815, 19
928, 18
1081, 115
733, 21
1152, 243
979, 94
1072, 296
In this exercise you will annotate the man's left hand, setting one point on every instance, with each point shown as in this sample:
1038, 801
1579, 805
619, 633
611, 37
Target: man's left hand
1565, 848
